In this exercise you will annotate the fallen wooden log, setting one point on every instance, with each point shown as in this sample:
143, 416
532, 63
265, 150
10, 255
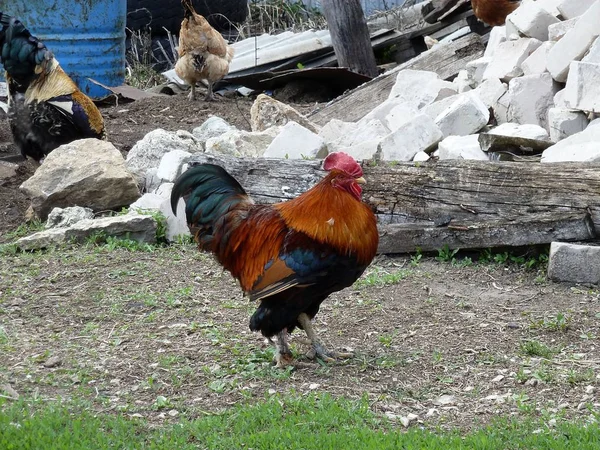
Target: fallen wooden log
444, 59
458, 203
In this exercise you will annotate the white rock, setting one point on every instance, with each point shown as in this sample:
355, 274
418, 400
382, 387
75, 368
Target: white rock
214, 126
529, 99
165, 190
335, 128
508, 58
381, 111
149, 151
573, 8
536, 62
65, 217
421, 157
419, 88
419, 134
399, 115
532, 20
176, 225
172, 165
463, 81
436, 108
551, 6
584, 146
465, 116
240, 143
296, 142
574, 263
490, 91
559, 99
266, 112
461, 147
476, 68
370, 130
564, 123
523, 131
496, 37
575, 43
593, 54
151, 181
557, 30
582, 91
363, 150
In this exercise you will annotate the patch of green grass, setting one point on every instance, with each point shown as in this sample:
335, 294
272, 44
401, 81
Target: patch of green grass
561, 322
577, 377
536, 348
445, 254
380, 277
291, 422
25, 229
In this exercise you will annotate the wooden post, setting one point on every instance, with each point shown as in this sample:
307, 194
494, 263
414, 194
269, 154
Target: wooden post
350, 36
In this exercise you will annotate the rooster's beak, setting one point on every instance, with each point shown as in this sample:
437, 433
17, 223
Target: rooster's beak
360, 180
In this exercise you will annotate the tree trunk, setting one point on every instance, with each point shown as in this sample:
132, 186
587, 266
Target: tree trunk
350, 36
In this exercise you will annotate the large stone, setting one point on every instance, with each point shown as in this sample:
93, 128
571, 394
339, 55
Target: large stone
529, 98
88, 172
241, 143
593, 54
65, 217
419, 88
465, 116
212, 127
148, 152
364, 131
564, 123
296, 142
267, 112
135, 227
532, 20
336, 129
536, 62
582, 91
172, 165
496, 37
558, 30
574, 44
419, 134
461, 147
573, 8
508, 58
574, 263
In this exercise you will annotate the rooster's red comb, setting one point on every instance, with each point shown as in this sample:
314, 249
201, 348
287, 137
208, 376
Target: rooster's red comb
344, 162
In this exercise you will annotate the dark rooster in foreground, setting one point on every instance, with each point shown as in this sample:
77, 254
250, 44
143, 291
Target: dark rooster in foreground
494, 12
291, 255
46, 109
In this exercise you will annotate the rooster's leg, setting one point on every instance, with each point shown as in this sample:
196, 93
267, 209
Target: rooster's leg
209, 95
318, 347
192, 95
284, 355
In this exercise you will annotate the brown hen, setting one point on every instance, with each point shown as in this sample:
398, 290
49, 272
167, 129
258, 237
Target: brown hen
494, 12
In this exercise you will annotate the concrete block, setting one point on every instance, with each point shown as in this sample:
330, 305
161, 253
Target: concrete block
496, 37
508, 58
559, 99
335, 129
399, 115
593, 54
296, 142
363, 150
521, 131
557, 30
583, 146
419, 88
467, 115
214, 126
463, 82
564, 123
551, 6
381, 111
436, 108
418, 135
490, 91
421, 157
172, 165
532, 20
536, 62
370, 130
575, 43
529, 98
574, 263
582, 91
573, 8
242, 143
461, 147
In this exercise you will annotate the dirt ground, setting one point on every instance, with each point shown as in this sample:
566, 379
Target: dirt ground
126, 124
164, 334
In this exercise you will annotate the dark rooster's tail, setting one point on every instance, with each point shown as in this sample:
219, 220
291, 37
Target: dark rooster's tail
210, 194
21, 53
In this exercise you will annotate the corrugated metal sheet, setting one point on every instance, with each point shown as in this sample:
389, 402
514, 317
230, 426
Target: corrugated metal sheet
86, 36
369, 6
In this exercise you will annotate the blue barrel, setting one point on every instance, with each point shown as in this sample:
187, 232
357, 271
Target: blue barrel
86, 36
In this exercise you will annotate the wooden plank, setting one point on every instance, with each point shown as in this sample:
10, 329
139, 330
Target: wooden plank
530, 230
445, 59
448, 200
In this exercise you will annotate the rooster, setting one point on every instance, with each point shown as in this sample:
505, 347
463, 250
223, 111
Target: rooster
203, 53
46, 109
494, 12
289, 256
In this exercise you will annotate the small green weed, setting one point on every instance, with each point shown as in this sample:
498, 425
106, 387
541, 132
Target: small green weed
445, 254
536, 348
